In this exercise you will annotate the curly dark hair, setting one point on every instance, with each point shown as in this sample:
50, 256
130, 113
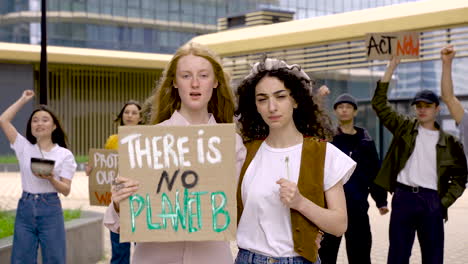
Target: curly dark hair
309, 116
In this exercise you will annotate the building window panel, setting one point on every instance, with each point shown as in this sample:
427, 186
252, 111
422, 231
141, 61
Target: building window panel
78, 5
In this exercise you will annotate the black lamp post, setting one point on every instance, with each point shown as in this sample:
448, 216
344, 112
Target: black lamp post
43, 69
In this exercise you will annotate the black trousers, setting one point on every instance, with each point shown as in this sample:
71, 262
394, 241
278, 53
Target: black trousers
421, 211
358, 240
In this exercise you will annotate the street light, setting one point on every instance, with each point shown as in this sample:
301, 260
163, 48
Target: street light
43, 69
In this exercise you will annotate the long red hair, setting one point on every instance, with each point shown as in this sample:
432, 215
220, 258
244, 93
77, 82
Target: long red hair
167, 100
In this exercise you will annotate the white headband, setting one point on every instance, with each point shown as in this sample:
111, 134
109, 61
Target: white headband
275, 64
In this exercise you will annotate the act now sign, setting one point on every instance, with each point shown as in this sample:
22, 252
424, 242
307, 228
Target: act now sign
382, 46
187, 181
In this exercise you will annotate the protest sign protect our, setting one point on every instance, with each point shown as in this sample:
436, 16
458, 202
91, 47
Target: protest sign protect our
105, 169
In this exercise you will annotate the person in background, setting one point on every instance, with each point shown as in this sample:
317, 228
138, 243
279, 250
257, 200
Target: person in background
357, 144
453, 104
129, 115
425, 169
291, 184
39, 216
194, 89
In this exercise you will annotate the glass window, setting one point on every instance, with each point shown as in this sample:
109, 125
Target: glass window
65, 5
52, 5
137, 35
148, 9
78, 31
321, 5
133, 8
338, 5
348, 6
92, 32
78, 5
163, 38
174, 6
106, 7
120, 8
93, 6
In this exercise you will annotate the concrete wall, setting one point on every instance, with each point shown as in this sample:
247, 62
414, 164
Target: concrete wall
14, 79
84, 240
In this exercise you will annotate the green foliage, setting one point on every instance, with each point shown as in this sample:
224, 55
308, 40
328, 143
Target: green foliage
7, 220
81, 159
7, 224
8, 159
11, 159
70, 214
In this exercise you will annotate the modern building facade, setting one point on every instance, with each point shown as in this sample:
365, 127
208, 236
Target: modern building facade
158, 26
332, 50
324, 38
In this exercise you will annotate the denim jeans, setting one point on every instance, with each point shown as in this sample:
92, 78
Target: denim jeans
39, 221
120, 251
418, 212
249, 257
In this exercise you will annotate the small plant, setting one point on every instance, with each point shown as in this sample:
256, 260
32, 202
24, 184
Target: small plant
4, 159
7, 220
70, 214
81, 159
7, 224
7, 159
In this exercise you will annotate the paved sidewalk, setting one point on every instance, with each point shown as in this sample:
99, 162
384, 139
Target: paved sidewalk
456, 229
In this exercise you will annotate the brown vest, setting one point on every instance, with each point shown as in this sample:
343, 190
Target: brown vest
310, 185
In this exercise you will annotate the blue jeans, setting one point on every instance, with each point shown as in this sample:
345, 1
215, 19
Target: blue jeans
39, 220
248, 257
418, 212
120, 251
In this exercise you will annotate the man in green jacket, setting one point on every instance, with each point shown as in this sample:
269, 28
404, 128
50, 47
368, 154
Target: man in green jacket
424, 168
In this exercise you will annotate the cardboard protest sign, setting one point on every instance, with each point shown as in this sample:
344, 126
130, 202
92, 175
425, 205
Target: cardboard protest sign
187, 183
105, 169
382, 46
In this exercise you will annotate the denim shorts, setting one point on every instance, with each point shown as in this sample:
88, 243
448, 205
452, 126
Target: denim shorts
248, 257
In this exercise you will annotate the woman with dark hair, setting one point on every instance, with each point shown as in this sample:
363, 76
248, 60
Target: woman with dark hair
194, 89
129, 115
300, 174
39, 216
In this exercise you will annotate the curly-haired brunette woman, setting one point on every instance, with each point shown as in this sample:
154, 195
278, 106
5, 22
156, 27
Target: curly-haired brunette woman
309, 117
301, 176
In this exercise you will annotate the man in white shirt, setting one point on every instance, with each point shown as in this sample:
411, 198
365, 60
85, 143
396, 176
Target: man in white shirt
426, 170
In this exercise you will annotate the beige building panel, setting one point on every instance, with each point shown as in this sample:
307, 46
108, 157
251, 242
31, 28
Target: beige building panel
413, 16
66, 55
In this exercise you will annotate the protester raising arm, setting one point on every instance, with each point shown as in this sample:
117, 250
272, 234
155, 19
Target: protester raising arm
7, 116
47, 168
455, 107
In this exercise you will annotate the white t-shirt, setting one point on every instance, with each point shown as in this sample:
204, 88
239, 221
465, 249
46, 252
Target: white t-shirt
421, 168
265, 225
65, 165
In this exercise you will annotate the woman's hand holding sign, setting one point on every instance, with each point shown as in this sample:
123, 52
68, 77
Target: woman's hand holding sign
122, 188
